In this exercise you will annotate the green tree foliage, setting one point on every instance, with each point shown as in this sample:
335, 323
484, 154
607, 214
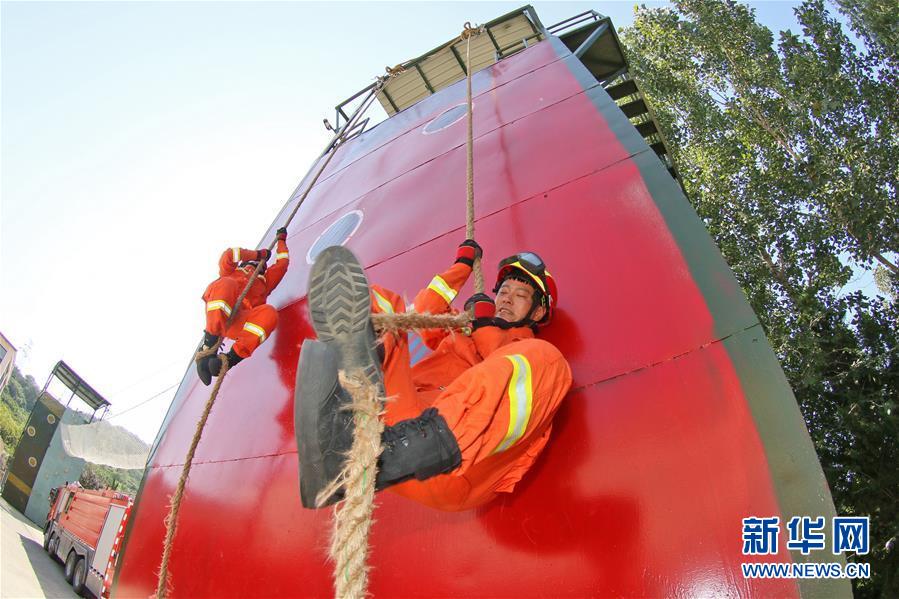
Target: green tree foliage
90, 479
16, 401
789, 151
126, 481
96, 476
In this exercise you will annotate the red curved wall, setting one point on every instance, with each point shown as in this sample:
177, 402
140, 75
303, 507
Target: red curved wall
658, 452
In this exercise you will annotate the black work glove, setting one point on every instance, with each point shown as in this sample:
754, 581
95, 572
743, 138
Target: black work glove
263, 255
468, 252
281, 234
483, 308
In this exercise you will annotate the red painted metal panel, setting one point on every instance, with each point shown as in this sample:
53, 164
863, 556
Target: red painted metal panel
539, 97
640, 493
654, 458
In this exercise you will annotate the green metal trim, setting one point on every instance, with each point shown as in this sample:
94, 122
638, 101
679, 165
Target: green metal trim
791, 454
389, 99
523, 42
78, 385
459, 59
534, 20
423, 78
492, 39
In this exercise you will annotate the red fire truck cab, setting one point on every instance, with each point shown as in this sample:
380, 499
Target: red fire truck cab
84, 530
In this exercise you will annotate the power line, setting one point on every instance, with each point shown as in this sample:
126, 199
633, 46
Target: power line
136, 382
137, 405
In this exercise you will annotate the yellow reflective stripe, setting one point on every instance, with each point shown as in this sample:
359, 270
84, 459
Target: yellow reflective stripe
439, 286
521, 396
235, 254
218, 305
382, 302
18, 483
255, 329
534, 277
282, 255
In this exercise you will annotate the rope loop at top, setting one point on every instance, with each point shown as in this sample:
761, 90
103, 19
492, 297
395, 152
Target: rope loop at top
470, 31
395, 71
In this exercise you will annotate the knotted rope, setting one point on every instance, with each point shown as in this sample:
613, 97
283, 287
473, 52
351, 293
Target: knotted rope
163, 585
353, 516
394, 71
415, 321
468, 33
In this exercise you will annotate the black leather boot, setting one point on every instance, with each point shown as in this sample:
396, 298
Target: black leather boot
203, 363
322, 421
214, 365
417, 448
340, 307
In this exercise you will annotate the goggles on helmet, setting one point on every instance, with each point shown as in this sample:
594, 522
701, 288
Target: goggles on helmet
252, 266
530, 263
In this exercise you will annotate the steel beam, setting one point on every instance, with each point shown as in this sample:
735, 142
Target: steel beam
459, 59
423, 78
591, 39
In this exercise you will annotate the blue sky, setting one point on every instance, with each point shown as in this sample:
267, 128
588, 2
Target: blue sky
140, 139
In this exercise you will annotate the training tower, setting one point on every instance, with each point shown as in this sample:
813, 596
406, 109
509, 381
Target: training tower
680, 422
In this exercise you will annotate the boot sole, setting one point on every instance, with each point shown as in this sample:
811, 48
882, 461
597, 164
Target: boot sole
340, 306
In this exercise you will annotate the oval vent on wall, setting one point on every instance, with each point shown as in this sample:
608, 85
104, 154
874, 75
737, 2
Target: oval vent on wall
338, 233
446, 118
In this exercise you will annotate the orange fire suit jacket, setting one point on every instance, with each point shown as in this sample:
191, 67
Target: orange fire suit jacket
264, 283
497, 389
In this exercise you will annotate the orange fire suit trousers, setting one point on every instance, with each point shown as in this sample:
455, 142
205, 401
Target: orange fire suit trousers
500, 411
250, 328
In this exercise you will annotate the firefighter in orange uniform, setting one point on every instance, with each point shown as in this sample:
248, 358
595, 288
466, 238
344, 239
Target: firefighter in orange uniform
467, 421
255, 320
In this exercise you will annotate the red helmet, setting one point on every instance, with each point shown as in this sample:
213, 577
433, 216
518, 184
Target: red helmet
531, 266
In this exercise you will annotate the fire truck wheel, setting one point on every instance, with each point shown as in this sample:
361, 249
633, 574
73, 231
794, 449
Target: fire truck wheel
54, 544
69, 571
47, 539
80, 576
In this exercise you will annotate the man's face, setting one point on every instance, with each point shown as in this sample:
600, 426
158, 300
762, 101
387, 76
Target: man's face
513, 301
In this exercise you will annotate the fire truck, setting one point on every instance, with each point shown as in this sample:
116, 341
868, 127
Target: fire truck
84, 531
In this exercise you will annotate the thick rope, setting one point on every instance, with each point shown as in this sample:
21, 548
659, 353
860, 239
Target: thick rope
415, 321
163, 584
468, 33
353, 516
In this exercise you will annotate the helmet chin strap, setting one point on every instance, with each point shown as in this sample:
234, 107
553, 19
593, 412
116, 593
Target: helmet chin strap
527, 321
